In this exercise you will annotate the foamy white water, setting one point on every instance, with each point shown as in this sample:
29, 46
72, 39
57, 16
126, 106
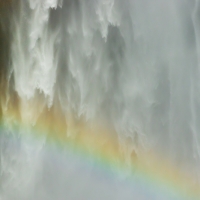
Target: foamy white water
132, 65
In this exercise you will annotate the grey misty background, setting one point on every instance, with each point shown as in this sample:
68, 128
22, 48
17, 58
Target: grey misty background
131, 64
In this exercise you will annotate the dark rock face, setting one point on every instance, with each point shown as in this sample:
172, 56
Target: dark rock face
7, 8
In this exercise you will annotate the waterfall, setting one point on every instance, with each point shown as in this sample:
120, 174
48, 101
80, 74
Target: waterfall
131, 66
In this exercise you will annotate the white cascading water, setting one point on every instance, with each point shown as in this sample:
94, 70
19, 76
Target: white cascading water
132, 64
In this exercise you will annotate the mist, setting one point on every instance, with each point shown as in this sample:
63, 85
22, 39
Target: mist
131, 66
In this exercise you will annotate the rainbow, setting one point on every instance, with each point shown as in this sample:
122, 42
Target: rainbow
101, 144
90, 141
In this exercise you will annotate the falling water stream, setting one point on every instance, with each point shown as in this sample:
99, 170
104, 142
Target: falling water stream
130, 66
